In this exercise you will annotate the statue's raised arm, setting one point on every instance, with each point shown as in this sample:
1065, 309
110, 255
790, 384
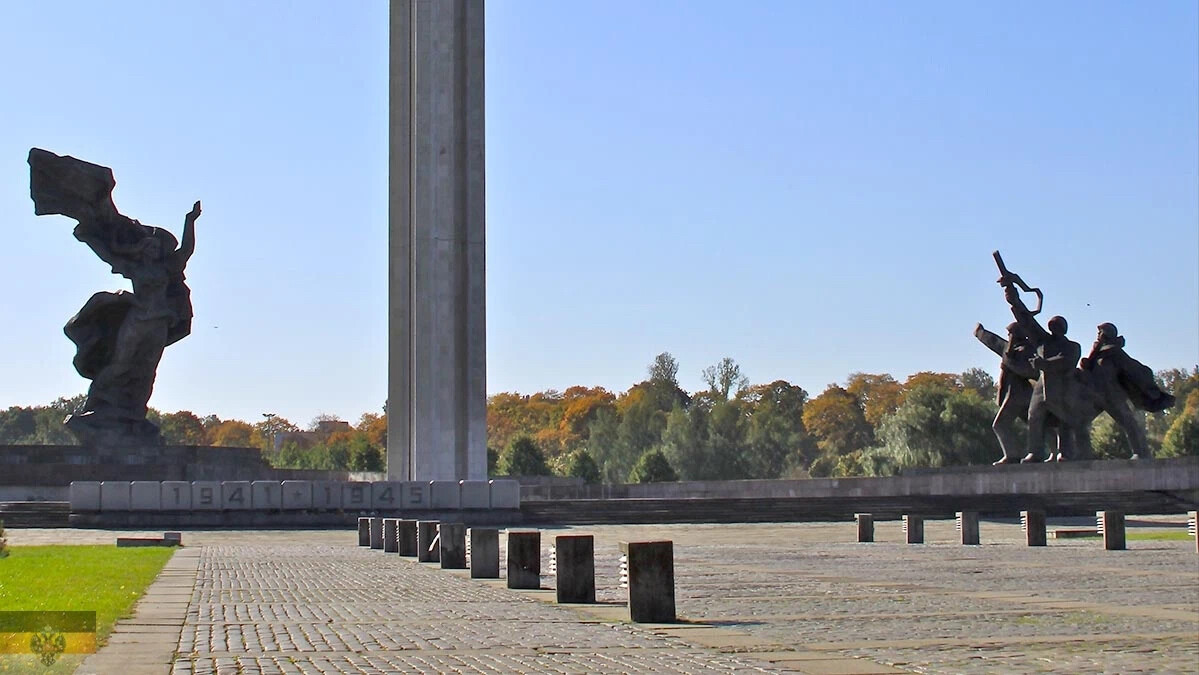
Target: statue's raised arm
180, 257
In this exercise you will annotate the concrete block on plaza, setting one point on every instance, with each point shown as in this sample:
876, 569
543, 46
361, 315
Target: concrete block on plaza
114, 495
428, 548
235, 495
266, 495
385, 495
296, 495
444, 494
172, 538
129, 542
968, 526
865, 523
575, 556
326, 495
406, 537
206, 495
364, 531
524, 559
176, 495
1034, 527
85, 495
356, 496
376, 532
1111, 525
913, 527
484, 553
390, 530
474, 494
651, 581
453, 546
414, 494
505, 494
145, 495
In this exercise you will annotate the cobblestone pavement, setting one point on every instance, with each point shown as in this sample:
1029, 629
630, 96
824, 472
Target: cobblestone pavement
940, 607
322, 604
755, 598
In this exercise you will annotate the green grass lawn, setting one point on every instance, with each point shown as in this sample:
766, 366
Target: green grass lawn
103, 579
1159, 535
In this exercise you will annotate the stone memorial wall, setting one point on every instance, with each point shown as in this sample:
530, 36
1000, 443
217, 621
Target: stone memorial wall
288, 502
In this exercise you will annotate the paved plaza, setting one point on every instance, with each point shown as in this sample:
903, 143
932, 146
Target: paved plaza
753, 598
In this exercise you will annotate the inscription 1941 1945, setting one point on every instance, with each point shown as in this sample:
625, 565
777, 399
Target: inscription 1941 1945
119, 337
1042, 382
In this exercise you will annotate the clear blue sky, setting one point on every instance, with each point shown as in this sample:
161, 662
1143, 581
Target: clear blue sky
811, 188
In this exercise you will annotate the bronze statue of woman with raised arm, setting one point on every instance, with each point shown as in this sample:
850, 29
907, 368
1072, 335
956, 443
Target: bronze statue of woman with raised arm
119, 336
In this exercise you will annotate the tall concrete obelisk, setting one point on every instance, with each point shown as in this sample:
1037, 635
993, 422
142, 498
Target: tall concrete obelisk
437, 362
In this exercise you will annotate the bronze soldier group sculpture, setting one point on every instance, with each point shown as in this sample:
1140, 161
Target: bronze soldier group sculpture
1043, 382
120, 336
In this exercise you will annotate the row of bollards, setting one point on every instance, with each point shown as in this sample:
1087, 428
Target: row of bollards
650, 564
1110, 525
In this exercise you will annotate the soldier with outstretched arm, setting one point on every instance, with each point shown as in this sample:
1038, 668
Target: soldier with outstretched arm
1014, 390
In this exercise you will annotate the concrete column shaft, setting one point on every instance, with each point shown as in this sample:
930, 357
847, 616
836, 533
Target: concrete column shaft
436, 310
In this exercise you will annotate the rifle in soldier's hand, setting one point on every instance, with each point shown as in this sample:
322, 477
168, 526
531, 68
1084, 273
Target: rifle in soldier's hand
1010, 280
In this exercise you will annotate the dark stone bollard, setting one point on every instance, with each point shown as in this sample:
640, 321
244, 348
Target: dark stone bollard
427, 549
364, 531
524, 559
1034, 527
865, 527
406, 538
1111, 525
651, 581
575, 555
391, 542
376, 533
968, 524
453, 546
914, 527
484, 553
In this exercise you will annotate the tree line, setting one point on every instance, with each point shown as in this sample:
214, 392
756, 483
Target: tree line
359, 447
870, 425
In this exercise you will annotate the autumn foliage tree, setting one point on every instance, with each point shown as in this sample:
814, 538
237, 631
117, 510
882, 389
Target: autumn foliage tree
233, 434
878, 395
837, 421
1183, 435
182, 428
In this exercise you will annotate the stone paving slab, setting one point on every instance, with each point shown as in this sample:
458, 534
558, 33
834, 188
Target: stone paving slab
145, 643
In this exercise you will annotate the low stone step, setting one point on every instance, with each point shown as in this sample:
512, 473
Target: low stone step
35, 514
